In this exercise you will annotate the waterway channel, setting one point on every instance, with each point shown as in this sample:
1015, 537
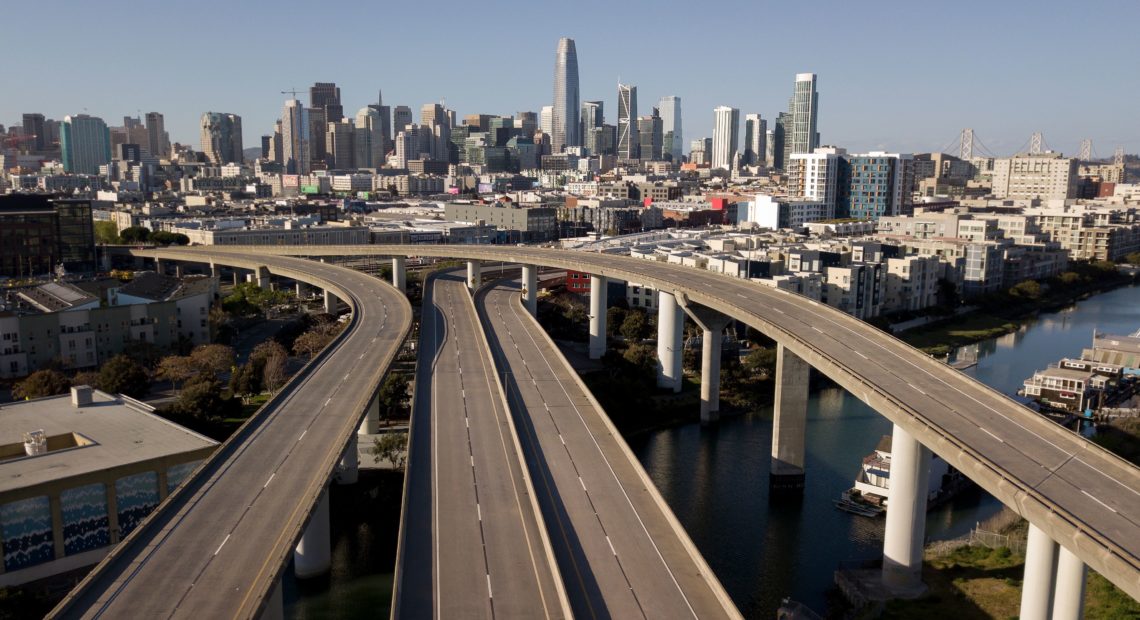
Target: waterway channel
715, 479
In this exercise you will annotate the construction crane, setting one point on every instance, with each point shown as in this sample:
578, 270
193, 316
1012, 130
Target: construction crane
290, 92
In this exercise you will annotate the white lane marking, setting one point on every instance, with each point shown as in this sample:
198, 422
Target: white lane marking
472, 461
463, 393
227, 539
467, 421
581, 482
489, 593
270, 480
991, 434
1134, 491
362, 355
328, 401
861, 355
302, 434
560, 438
611, 544
1098, 501
918, 390
479, 511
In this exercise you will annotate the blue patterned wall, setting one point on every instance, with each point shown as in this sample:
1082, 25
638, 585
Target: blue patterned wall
85, 522
136, 495
178, 473
26, 527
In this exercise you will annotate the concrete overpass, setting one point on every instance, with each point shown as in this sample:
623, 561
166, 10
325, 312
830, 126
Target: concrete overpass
621, 550
1083, 503
218, 545
473, 543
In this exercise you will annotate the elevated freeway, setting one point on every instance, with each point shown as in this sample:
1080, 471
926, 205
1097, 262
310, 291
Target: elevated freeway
217, 546
622, 552
1073, 492
473, 543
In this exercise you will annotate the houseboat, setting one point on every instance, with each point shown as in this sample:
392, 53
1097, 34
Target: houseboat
871, 494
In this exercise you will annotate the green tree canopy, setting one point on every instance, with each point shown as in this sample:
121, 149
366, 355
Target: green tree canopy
123, 375
163, 237
391, 447
135, 234
635, 326
107, 232
42, 383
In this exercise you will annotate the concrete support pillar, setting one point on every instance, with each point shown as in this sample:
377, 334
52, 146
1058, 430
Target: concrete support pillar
215, 270
400, 273
330, 302
313, 554
274, 608
299, 290
178, 270
1069, 589
237, 277
160, 265
670, 342
906, 514
712, 324
1040, 567
371, 423
348, 470
598, 305
530, 289
263, 279
474, 275
789, 421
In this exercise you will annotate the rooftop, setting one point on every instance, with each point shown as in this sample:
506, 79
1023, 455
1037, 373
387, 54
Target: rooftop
107, 433
57, 296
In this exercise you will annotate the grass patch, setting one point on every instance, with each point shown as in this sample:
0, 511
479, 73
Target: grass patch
941, 338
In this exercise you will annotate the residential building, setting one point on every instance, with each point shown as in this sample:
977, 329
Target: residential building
1045, 175
817, 175
519, 223
85, 143
880, 185
801, 135
755, 140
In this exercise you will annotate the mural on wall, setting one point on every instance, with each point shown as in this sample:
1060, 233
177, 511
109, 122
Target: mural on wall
26, 527
136, 496
85, 522
176, 474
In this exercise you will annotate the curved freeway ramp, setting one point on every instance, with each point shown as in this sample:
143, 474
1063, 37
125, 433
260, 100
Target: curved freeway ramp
216, 547
1081, 495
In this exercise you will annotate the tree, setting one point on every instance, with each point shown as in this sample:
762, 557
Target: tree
213, 358
391, 447
1028, 289
1133, 258
310, 343
393, 395
273, 357
107, 232
202, 400
123, 375
87, 377
615, 316
635, 325
163, 237
42, 383
177, 369
761, 361
643, 357
135, 234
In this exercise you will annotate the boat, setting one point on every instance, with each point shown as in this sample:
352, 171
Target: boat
851, 501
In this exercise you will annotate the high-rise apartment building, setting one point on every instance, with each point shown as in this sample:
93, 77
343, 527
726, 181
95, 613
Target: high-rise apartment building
85, 143
1044, 175
726, 131
818, 176
34, 132
627, 122
800, 134
880, 185
296, 148
564, 113
157, 142
700, 151
755, 140
221, 137
670, 111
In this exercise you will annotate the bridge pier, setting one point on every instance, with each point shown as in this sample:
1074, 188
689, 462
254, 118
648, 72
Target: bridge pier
1040, 568
474, 275
670, 342
906, 515
263, 279
712, 324
160, 265
598, 303
1069, 588
179, 271
530, 289
789, 422
237, 276
215, 270
313, 555
348, 470
400, 273
371, 423
274, 608
330, 302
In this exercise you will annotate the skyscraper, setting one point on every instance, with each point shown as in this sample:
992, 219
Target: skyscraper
592, 118
295, 138
650, 136
546, 120
401, 118
565, 110
800, 135
85, 143
627, 122
157, 144
755, 140
326, 96
34, 131
726, 129
435, 120
368, 139
780, 153
339, 137
670, 107
385, 145
221, 137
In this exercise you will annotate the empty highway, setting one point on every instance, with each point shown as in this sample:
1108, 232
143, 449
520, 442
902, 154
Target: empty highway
621, 551
473, 544
216, 547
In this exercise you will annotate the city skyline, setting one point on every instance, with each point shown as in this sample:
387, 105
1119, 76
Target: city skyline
893, 106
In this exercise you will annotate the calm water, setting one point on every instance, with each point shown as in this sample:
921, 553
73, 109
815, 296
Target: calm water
716, 478
716, 481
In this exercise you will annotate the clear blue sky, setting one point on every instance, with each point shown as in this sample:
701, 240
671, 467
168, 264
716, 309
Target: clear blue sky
901, 76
